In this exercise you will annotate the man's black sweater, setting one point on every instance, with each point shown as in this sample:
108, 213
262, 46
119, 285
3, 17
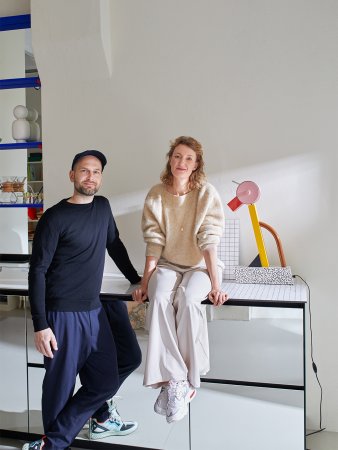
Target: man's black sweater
68, 255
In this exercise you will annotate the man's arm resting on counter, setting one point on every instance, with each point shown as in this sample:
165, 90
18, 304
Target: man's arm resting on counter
118, 253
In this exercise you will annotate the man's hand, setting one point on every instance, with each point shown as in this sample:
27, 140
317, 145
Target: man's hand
45, 342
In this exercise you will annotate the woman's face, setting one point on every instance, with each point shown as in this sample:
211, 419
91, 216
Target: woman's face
183, 162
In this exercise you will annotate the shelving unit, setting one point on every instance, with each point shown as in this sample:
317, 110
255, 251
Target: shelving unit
34, 180
31, 198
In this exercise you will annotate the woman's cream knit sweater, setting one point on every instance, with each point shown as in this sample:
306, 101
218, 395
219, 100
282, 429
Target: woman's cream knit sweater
178, 228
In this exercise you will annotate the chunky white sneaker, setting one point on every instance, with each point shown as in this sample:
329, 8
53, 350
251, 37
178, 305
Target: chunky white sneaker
113, 426
160, 406
180, 394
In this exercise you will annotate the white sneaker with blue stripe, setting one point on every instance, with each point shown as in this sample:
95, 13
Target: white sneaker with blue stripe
113, 426
36, 445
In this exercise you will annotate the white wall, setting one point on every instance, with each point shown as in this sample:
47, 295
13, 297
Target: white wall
13, 8
256, 82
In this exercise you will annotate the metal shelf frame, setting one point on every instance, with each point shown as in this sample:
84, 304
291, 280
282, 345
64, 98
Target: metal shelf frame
17, 83
21, 205
15, 22
21, 145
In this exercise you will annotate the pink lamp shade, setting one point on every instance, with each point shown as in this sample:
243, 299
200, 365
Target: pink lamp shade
247, 193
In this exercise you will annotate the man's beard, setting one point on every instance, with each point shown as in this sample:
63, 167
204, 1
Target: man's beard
86, 191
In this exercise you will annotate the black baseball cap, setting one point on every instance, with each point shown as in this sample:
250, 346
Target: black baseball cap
95, 153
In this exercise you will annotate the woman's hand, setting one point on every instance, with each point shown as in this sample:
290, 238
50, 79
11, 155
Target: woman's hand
217, 297
140, 294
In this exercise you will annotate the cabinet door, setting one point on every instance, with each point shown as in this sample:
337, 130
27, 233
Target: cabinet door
13, 386
260, 350
242, 417
35, 374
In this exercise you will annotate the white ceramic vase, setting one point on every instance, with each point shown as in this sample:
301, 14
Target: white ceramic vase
20, 127
35, 128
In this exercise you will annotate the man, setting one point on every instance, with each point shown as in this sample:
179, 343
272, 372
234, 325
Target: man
72, 330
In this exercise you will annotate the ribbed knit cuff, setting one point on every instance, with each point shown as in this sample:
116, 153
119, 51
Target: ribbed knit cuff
154, 250
40, 323
135, 279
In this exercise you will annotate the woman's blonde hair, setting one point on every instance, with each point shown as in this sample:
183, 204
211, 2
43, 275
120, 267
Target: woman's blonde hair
197, 178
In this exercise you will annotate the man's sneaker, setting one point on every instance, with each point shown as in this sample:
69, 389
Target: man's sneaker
180, 394
111, 409
36, 445
113, 426
160, 406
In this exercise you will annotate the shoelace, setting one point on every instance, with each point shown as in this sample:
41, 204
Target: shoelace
36, 445
114, 416
176, 391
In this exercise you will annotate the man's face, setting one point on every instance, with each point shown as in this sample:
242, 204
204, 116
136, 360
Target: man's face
87, 175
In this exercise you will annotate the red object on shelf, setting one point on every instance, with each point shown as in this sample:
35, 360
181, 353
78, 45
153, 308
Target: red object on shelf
32, 213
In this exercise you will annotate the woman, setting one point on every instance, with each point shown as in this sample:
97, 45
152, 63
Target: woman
182, 223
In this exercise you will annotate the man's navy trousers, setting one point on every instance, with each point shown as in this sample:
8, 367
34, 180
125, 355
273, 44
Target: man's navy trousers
128, 351
86, 347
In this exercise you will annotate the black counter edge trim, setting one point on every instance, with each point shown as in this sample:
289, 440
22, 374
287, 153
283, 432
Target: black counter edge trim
293, 387
104, 297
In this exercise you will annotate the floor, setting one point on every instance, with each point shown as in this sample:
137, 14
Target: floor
221, 416
322, 441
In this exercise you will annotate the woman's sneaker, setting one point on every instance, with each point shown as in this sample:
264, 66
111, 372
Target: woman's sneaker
160, 406
113, 426
180, 394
